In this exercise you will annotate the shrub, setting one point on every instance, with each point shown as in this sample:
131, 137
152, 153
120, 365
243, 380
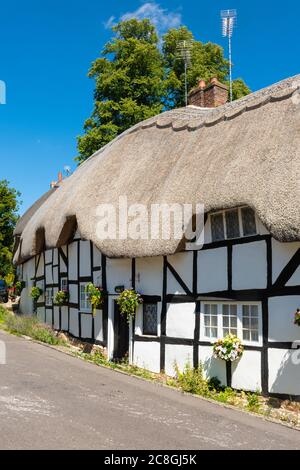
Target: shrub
29, 326
191, 380
253, 402
228, 395
36, 293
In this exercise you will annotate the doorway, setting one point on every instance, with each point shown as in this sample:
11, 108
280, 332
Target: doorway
121, 335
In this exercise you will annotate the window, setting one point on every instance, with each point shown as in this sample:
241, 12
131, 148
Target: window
49, 297
85, 304
150, 319
64, 284
242, 319
233, 223
211, 320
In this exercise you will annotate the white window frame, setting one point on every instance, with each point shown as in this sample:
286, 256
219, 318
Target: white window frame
49, 297
239, 321
84, 308
239, 209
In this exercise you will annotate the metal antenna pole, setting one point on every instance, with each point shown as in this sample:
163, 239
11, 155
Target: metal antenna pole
185, 83
184, 52
228, 22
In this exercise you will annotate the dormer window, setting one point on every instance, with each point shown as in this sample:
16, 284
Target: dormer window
233, 223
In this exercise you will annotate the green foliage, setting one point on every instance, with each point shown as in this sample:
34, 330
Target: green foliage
253, 403
29, 326
61, 297
228, 395
192, 381
19, 286
4, 314
136, 79
9, 205
96, 296
128, 302
36, 293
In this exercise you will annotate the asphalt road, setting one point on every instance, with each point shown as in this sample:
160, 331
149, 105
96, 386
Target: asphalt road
49, 400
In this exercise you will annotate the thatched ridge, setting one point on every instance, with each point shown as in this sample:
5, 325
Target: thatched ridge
245, 152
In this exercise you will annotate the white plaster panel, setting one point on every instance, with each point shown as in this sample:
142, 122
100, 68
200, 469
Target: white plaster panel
212, 270
55, 256
249, 266
49, 316
246, 372
63, 266
73, 291
56, 318
147, 355
85, 258
207, 231
149, 275
181, 320
41, 314
295, 278
49, 276
284, 374
98, 325
86, 325
73, 255
179, 355
74, 322
64, 318
97, 278
96, 256
118, 274
212, 367
55, 275
26, 303
281, 318
281, 255
183, 265
40, 269
48, 256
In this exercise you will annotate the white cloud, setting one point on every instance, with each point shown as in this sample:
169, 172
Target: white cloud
162, 18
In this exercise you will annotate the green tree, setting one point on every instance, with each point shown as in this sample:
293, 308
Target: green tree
9, 205
129, 84
135, 79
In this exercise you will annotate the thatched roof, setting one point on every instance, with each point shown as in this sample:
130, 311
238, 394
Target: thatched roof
245, 152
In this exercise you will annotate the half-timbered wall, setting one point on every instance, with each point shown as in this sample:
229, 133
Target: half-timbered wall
252, 269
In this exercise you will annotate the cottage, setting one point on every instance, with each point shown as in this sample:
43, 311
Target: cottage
241, 160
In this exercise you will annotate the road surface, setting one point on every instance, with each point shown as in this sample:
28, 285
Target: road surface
49, 400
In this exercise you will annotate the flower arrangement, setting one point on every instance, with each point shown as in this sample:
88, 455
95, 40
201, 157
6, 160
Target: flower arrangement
36, 293
61, 297
19, 286
128, 302
229, 348
96, 296
297, 317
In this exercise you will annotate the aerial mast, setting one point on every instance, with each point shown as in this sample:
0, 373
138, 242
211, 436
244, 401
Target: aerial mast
228, 18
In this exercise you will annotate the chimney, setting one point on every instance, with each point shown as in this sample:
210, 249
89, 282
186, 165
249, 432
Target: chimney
55, 184
209, 96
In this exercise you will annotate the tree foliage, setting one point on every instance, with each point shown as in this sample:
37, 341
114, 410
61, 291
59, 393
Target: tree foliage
136, 78
8, 217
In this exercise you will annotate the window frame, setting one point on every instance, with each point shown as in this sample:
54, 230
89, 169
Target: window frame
62, 281
86, 308
240, 220
240, 328
143, 322
49, 298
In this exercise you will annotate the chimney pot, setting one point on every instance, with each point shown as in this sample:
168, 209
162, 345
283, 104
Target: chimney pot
202, 84
60, 177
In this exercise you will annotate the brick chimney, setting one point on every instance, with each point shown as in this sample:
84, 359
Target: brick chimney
55, 184
209, 96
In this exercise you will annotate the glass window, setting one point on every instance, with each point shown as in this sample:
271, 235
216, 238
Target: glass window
211, 320
217, 227
150, 319
229, 319
64, 284
85, 305
49, 297
232, 224
250, 323
248, 220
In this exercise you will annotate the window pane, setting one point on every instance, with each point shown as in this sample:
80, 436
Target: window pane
232, 224
150, 319
233, 310
233, 322
214, 332
214, 309
225, 321
214, 320
254, 336
248, 219
250, 323
246, 335
225, 309
217, 227
225, 331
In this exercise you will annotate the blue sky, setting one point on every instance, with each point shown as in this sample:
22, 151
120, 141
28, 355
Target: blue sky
47, 48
